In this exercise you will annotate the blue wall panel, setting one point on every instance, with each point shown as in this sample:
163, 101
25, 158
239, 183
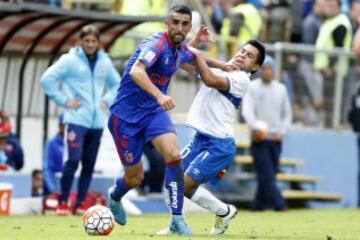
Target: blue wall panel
329, 154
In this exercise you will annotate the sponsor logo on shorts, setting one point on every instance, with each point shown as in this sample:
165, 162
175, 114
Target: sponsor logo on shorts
221, 174
129, 157
71, 136
196, 171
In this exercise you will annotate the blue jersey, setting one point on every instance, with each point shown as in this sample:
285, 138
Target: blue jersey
162, 59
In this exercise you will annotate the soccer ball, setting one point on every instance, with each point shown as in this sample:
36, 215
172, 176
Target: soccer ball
262, 129
98, 220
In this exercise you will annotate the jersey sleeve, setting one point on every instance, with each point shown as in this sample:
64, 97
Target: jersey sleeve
150, 53
187, 55
238, 83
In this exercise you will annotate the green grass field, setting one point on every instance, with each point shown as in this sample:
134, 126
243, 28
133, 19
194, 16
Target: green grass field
324, 224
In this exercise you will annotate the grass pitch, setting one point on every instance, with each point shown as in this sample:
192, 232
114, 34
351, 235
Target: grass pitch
310, 224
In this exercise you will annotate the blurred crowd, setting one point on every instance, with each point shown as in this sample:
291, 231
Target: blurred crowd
310, 78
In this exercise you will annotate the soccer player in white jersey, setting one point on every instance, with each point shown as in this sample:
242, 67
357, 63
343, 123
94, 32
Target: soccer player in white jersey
212, 114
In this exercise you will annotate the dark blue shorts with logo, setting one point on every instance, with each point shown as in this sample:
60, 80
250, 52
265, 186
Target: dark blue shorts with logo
130, 137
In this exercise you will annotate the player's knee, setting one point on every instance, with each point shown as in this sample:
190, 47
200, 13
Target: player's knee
173, 156
135, 181
188, 192
190, 186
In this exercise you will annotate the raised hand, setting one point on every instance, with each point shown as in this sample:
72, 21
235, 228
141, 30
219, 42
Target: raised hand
203, 35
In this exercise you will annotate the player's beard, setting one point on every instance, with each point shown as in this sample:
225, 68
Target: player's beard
177, 38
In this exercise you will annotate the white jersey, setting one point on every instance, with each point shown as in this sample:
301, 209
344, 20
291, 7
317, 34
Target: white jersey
213, 112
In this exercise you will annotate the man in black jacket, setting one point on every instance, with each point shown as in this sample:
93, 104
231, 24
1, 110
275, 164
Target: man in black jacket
354, 120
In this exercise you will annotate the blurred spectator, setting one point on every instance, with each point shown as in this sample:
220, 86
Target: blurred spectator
336, 31
243, 22
266, 109
11, 152
53, 159
296, 11
36, 183
313, 79
356, 43
352, 83
278, 20
154, 176
307, 7
355, 14
354, 120
215, 10
355, 20
312, 22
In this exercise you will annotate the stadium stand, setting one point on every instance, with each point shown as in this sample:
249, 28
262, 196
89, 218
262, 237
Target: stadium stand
332, 155
244, 172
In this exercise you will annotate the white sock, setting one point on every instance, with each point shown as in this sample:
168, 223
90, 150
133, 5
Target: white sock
207, 200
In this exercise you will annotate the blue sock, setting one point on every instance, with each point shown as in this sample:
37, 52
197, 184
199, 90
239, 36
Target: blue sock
174, 183
121, 188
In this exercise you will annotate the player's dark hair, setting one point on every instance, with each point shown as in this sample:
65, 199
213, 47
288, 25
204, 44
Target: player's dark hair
183, 9
89, 29
260, 47
35, 172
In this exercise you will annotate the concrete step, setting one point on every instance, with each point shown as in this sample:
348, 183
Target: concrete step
248, 159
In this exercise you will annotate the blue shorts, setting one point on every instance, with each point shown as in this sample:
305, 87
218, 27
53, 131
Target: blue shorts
130, 137
206, 158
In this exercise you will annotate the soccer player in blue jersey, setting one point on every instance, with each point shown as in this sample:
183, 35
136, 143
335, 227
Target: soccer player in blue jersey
139, 116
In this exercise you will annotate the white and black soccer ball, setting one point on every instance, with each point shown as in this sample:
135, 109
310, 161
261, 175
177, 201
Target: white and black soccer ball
98, 220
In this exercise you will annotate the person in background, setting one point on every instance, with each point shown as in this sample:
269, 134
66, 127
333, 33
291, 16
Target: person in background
154, 177
11, 152
312, 78
356, 40
336, 31
36, 183
84, 73
267, 111
53, 158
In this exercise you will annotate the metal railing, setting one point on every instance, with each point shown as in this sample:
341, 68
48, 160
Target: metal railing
282, 48
336, 97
